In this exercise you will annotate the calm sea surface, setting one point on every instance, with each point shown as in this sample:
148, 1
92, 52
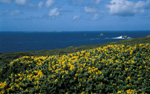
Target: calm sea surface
25, 41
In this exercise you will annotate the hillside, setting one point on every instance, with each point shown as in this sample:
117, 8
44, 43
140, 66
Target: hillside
120, 67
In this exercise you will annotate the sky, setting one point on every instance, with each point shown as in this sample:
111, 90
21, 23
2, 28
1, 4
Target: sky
74, 15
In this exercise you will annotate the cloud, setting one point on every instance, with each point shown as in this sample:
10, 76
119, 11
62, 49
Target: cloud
16, 12
76, 17
20, 2
49, 3
54, 12
29, 18
127, 8
89, 10
5, 1
97, 2
95, 17
40, 4
11, 13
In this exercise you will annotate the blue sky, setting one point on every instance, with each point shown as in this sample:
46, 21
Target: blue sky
74, 15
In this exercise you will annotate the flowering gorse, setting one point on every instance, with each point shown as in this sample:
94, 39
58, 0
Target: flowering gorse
109, 69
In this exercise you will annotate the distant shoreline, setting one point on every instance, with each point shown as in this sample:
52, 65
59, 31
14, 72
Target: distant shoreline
74, 31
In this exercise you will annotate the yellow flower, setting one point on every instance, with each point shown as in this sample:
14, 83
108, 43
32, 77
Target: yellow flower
129, 77
99, 72
40, 73
2, 84
133, 61
93, 60
123, 46
141, 44
101, 83
56, 80
2, 92
128, 91
82, 92
76, 74
11, 63
119, 92
26, 89
0, 69
16, 85
79, 84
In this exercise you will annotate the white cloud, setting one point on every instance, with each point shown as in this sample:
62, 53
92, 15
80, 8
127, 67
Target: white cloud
40, 4
97, 2
5, 1
89, 10
142, 4
54, 12
31, 5
95, 17
49, 3
76, 17
127, 8
11, 13
20, 2
16, 12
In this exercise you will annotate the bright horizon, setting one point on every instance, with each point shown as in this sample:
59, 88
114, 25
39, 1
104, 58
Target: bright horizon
70, 15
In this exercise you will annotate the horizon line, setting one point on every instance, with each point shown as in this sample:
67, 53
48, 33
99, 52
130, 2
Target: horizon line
79, 31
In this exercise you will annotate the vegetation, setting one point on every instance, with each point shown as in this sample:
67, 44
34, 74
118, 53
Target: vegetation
120, 67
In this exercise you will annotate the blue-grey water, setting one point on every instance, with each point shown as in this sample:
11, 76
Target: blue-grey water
31, 41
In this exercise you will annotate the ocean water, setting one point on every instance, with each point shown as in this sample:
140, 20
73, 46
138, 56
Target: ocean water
32, 41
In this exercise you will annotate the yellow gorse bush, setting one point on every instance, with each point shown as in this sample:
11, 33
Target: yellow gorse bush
109, 69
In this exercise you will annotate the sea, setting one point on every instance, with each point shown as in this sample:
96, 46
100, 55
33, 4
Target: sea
33, 41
